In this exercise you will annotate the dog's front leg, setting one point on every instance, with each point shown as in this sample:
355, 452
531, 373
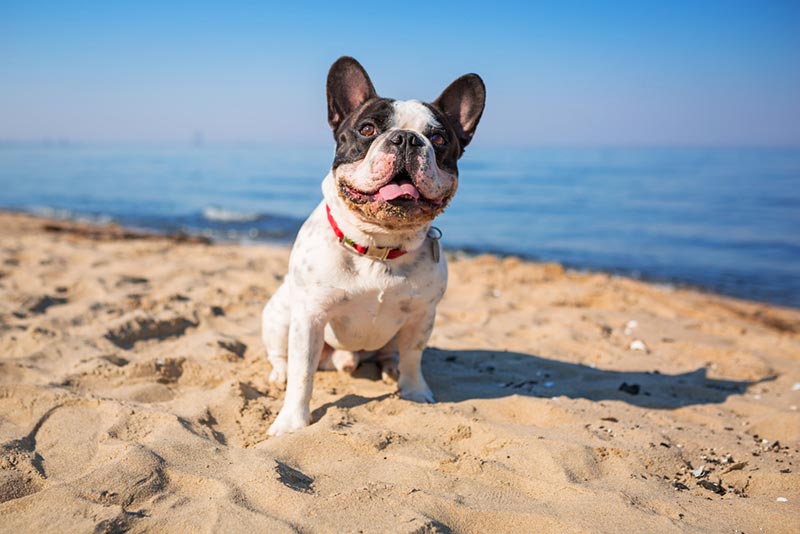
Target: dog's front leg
411, 341
306, 337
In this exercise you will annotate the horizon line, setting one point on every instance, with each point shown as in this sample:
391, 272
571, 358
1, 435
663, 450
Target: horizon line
67, 143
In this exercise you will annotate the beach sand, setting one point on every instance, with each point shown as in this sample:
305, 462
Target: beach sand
134, 397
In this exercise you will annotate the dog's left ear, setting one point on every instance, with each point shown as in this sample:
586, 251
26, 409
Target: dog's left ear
463, 103
348, 88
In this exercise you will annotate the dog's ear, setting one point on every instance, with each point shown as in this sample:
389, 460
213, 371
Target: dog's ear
348, 88
463, 102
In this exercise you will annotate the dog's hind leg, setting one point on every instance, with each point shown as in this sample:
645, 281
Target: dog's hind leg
275, 333
345, 361
325, 360
386, 359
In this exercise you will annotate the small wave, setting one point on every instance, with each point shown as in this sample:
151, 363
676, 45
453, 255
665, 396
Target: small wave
51, 213
223, 215
69, 215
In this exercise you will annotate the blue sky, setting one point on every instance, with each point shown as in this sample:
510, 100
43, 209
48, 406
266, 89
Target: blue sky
694, 73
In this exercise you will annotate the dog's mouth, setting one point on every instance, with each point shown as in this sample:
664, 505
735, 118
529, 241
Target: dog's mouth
400, 191
401, 187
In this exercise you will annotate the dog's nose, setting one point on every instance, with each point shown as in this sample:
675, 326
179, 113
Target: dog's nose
405, 138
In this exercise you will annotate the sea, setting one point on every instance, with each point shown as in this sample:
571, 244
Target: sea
725, 220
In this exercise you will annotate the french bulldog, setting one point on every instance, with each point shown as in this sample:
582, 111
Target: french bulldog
366, 271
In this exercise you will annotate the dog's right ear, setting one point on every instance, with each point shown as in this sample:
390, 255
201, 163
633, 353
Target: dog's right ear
348, 88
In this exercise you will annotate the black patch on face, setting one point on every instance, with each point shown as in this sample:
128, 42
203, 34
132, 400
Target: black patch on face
448, 154
351, 146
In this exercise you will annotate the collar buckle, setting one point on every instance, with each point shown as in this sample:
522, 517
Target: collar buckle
378, 253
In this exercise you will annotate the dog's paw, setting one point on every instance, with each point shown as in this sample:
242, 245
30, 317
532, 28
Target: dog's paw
288, 422
389, 372
345, 361
278, 375
417, 393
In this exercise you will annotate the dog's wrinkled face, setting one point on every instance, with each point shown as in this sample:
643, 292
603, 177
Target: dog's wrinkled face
396, 161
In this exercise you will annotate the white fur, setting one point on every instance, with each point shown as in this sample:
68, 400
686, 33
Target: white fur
413, 115
350, 302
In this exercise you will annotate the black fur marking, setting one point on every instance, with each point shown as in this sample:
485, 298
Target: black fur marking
447, 155
347, 264
351, 146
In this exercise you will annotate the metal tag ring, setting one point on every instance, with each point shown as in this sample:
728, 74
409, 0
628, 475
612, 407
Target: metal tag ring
435, 233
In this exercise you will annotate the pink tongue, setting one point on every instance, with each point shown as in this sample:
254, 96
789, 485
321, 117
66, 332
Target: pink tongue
392, 191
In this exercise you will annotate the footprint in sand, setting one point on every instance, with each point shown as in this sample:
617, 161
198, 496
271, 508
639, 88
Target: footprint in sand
39, 305
52, 452
139, 326
20, 471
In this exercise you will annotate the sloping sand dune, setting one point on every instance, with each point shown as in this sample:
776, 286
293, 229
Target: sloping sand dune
133, 397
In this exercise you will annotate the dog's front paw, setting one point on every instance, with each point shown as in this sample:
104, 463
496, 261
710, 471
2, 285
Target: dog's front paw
278, 374
419, 392
288, 421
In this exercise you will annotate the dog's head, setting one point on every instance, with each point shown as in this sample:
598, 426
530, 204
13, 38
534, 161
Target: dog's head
396, 161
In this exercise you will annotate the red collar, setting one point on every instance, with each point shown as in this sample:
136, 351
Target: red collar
379, 253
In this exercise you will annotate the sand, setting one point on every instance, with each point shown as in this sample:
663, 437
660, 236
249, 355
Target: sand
134, 397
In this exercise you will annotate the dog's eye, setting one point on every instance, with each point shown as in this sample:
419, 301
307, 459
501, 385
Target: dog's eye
368, 130
438, 139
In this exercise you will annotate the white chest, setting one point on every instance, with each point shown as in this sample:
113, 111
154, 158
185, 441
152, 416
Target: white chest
369, 315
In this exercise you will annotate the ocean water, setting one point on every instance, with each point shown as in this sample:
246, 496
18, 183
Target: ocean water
727, 220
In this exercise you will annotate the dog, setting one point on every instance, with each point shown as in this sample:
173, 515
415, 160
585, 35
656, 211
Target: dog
366, 271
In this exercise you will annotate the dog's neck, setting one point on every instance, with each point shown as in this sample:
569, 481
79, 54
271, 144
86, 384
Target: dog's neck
365, 232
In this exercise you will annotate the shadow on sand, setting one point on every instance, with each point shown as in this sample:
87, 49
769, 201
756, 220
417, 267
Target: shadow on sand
456, 376
480, 374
